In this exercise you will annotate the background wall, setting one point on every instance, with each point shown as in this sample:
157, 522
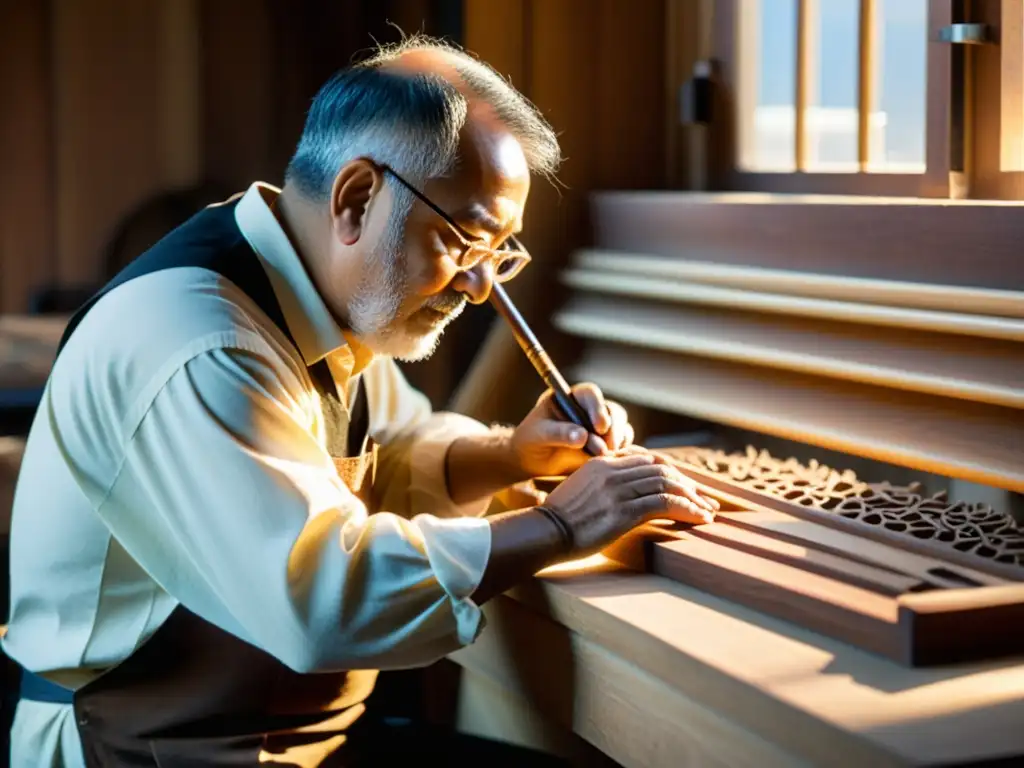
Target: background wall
107, 103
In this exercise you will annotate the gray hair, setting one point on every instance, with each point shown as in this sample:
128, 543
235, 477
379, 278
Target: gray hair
410, 122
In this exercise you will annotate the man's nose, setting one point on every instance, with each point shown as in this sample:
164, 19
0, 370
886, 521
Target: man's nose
475, 283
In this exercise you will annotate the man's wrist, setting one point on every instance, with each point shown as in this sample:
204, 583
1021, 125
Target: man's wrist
486, 462
496, 452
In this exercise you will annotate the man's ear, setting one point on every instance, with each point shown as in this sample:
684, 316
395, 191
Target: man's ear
354, 186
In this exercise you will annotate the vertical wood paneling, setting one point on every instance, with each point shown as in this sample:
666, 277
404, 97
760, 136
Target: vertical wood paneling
597, 70
937, 143
26, 190
240, 89
181, 93
629, 92
109, 152
496, 31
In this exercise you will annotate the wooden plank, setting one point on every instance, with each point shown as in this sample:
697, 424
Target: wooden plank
822, 604
939, 74
964, 624
984, 371
814, 696
808, 558
786, 527
973, 441
963, 567
628, 713
923, 241
790, 282
644, 287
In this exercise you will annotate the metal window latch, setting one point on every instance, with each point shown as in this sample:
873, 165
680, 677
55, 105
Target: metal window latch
697, 96
967, 34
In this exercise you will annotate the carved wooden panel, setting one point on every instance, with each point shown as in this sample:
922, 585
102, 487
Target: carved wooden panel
977, 529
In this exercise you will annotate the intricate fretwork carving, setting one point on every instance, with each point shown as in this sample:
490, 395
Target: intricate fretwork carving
975, 528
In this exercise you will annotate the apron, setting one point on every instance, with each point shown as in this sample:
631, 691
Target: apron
194, 695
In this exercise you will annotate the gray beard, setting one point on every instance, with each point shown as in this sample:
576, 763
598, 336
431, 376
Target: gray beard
373, 311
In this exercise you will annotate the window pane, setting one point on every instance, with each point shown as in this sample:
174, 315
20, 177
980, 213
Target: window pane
831, 127
770, 131
898, 146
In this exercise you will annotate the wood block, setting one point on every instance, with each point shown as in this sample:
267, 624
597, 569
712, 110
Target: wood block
871, 577
962, 625
788, 528
821, 604
845, 600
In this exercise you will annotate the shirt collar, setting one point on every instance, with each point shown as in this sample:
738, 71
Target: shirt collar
311, 324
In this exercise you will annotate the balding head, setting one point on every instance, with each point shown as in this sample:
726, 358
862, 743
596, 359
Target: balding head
417, 119
406, 106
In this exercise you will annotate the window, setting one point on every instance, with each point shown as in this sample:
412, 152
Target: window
864, 97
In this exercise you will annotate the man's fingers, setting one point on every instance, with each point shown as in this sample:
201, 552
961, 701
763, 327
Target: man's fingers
628, 461
654, 486
592, 401
620, 433
562, 433
672, 507
657, 478
668, 461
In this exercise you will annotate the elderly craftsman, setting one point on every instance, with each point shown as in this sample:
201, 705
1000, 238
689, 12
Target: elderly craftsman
233, 509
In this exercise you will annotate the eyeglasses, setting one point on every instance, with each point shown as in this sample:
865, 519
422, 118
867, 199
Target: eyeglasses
510, 258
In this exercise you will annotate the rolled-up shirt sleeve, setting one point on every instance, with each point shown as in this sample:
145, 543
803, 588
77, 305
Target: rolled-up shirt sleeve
230, 503
412, 464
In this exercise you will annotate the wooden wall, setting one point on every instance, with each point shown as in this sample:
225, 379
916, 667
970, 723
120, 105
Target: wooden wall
598, 69
104, 103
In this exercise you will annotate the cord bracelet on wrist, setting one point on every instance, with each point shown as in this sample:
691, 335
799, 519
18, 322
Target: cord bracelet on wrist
564, 530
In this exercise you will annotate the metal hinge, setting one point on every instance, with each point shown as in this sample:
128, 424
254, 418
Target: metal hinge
967, 34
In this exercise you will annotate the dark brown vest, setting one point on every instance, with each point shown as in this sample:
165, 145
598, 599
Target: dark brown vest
194, 695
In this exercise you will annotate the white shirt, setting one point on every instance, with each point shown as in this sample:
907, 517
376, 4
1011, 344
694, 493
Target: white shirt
178, 457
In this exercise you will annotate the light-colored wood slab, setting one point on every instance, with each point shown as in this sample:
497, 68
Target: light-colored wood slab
623, 710
813, 696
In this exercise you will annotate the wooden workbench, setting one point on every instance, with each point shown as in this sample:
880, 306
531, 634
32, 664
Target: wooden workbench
653, 673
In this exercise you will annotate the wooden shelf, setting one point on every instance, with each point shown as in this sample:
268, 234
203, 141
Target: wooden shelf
943, 242
948, 298
646, 287
945, 365
978, 442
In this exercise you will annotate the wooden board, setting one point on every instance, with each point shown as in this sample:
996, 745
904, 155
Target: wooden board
977, 442
874, 578
967, 568
784, 527
948, 365
819, 698
821, 604
975, 301
853, 603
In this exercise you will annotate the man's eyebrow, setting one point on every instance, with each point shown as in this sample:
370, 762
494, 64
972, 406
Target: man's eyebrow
480, 218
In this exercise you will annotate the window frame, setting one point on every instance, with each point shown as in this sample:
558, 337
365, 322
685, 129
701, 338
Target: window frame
935, 182
996, 103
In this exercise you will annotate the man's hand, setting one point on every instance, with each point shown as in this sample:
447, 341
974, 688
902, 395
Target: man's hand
545, 443
610, 495
602, 500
